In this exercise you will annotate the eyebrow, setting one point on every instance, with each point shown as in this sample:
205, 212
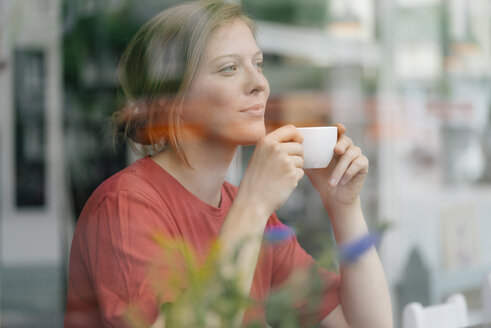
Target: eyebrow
234, 55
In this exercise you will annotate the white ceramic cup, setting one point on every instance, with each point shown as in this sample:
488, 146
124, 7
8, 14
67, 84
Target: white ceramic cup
318, 145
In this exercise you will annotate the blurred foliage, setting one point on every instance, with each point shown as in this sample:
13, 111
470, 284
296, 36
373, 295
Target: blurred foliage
205, 296
309, 13
93, 41
94, 36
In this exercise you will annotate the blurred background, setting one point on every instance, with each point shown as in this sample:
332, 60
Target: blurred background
410, 79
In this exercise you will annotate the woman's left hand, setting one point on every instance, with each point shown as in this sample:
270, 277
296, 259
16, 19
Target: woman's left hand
341, 181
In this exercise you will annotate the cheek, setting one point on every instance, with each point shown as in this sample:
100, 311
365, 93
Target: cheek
221, 101
216, 98
219, 94
208, 101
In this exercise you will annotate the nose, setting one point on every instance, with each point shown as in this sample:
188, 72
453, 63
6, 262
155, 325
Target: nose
256, 81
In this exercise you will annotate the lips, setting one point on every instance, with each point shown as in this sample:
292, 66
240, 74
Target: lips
257, 109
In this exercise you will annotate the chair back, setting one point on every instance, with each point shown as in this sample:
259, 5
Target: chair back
452, 314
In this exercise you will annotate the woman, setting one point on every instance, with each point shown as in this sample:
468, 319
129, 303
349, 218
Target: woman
195, 88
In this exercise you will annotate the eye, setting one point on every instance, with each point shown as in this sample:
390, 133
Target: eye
259, 65
229, 68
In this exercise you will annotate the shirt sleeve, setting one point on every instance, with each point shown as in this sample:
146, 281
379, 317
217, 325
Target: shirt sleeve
123, 257
314, 289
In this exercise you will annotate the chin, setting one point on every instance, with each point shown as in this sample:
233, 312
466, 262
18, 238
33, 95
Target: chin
253, 139
251, 135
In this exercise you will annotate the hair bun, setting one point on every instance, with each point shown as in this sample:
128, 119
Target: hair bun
131, 122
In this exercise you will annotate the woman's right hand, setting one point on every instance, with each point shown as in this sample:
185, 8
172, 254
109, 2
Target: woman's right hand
274, 169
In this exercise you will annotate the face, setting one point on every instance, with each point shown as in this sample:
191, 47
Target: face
227, 98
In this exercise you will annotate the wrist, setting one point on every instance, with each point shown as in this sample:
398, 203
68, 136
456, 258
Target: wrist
334, 206
256, 209
352, 250
347, 220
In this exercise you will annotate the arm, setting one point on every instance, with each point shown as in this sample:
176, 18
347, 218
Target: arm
242, 230
365, 299
273, 173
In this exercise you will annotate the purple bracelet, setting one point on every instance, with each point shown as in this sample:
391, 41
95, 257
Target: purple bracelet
351, 251
347, 252
278, 233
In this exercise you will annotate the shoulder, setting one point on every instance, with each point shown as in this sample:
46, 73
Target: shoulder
135, 184
140, 176
124, 208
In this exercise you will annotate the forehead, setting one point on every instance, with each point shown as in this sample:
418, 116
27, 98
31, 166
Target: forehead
232, 37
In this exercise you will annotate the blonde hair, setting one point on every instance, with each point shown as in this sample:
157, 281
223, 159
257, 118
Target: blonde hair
158, 66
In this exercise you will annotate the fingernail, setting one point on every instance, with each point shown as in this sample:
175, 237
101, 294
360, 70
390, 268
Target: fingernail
333, 182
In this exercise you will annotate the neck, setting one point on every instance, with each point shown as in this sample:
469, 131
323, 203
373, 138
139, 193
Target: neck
209, 162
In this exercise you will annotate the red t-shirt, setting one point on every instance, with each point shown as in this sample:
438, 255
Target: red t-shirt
113, 248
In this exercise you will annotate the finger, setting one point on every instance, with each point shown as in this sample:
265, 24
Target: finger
341, 129
342, 145
291, 148
286, 133
342, 165
297, 161
360, 165
299, 174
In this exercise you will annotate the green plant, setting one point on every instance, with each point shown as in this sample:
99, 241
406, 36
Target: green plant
203, 296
